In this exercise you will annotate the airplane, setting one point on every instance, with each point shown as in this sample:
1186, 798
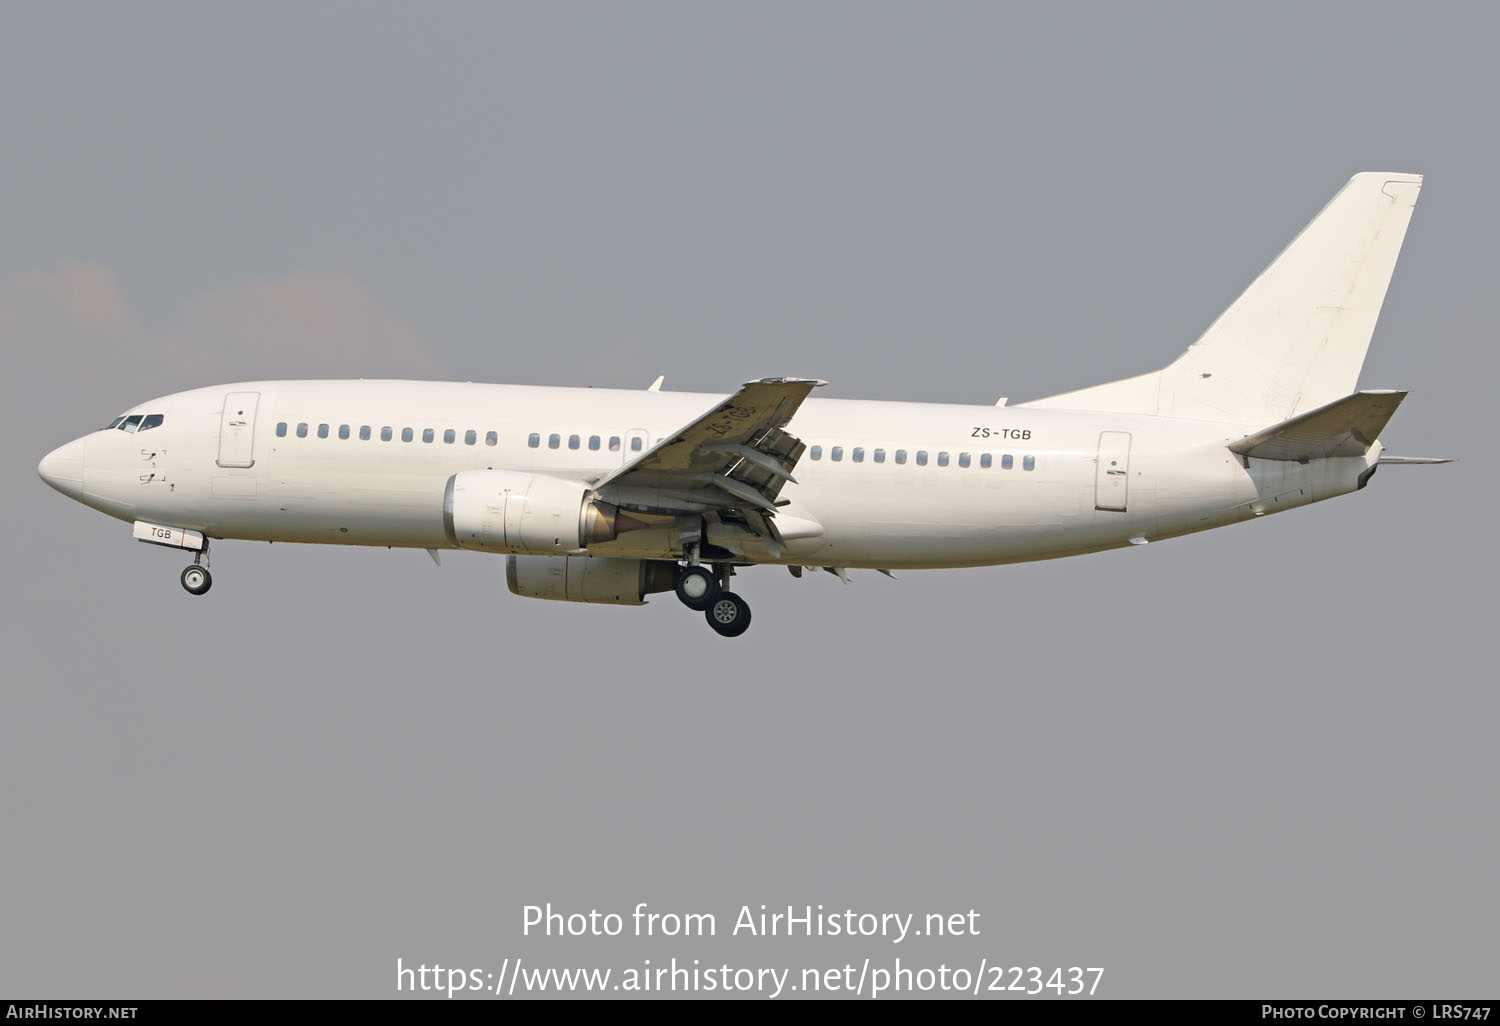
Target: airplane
611, 495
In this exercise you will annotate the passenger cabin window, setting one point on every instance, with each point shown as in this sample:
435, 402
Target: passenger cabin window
407, 434
574, 441
494, 439
963, 459
302, 430
816, 452
942, 459
593, 443
471, 437
921, 457
858, 455
343, 431
554, 441
1007, 461
1029, 463
428, 435
900, 455
614, 443
534, 440
364, 432
280, 429
450, 436
322, 430
985, 460
152, 420
879, 455
635, 444
385, 433
836, 453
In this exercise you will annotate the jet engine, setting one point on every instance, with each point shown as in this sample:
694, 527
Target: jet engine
624, 582
529, 514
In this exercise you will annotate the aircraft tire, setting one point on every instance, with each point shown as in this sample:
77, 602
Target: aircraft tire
728, 614
697, 587
196, 580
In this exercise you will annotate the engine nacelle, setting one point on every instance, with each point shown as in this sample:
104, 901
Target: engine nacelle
624, 582
530, 514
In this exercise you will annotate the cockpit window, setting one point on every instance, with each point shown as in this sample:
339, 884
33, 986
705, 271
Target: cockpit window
136, 422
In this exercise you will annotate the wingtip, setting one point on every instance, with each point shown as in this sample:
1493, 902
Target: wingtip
814, 382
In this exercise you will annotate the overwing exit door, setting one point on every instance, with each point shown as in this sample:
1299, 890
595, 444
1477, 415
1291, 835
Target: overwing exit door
237, 430
1112, 476
636, 441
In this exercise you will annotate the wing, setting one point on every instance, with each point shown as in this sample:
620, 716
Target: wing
736, 456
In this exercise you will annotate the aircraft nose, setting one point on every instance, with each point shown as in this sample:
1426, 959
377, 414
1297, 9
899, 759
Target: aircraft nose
62, 468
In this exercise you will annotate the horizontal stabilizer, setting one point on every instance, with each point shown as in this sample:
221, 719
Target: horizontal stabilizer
1346, 427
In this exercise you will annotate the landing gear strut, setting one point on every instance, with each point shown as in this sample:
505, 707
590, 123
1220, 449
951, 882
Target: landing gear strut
196, 579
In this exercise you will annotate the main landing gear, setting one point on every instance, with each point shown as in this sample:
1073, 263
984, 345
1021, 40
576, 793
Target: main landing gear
697, 586
706, 591
729, 615
196, 579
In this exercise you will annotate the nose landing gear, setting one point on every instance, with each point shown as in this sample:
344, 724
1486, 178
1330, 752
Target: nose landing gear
196, 579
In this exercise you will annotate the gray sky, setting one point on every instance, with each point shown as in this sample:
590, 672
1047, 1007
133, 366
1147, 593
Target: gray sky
1252, 762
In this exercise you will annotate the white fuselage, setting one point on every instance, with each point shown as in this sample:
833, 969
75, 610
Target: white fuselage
974, 485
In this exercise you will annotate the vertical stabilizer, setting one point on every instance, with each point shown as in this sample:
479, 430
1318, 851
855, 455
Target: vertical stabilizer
1296, 338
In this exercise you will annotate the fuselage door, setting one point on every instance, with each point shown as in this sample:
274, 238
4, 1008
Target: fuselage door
237, 430
1112, 476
